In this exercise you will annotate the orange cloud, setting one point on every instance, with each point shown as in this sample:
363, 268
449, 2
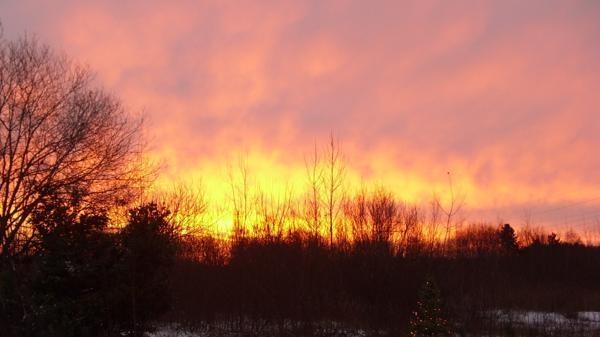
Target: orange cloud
502, 95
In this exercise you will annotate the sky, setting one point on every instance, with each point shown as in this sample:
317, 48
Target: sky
496, 100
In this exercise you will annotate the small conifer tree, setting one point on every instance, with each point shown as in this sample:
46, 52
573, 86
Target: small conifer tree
508, 239
428, 319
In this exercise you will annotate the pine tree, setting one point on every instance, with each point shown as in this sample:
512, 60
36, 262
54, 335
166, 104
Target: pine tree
428, 319
70, 276
150, 242
508, 239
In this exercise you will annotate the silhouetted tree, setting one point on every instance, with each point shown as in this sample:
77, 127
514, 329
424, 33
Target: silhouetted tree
508, 239
150, 245
333, 180
454, 206
241, 199
312, 202
357, 213
188, 204
70, 276
383, 211
410, 240
477, 240
59, 135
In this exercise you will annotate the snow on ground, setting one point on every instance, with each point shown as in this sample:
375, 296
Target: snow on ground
529, 317
332, 329
548, 321
174, 330
587, 320
592, 316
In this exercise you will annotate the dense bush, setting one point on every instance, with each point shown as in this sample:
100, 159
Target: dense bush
84, 280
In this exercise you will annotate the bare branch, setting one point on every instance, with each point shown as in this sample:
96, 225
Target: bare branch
59, 136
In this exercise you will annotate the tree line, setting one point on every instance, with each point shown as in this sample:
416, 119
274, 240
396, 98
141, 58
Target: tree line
373, 282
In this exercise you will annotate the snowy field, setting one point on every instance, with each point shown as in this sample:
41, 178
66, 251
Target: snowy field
522, 323
584, 319
175, 330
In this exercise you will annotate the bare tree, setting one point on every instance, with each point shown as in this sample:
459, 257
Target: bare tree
240, 198
409, 228
454, 206
530, 233
60, 136
333, 180
356, 211
273, 212
314, 177
431, 230
187, 204
383, 212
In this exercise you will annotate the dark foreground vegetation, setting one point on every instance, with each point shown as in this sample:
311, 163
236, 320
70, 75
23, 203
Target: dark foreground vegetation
72, 265
375, 285
86, 279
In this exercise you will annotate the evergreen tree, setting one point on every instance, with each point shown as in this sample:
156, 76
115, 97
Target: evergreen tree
508, 239
150, 242
428, 319
70, 276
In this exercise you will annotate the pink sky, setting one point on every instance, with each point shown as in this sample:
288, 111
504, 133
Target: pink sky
504, 94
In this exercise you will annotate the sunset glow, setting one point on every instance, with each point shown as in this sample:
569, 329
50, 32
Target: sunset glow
497, 101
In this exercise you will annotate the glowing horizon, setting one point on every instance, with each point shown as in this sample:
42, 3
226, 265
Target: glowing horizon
501, 94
